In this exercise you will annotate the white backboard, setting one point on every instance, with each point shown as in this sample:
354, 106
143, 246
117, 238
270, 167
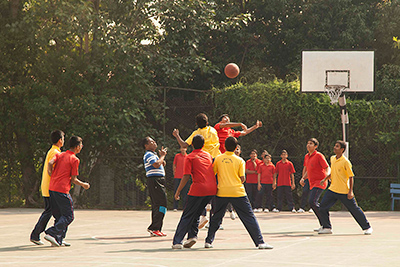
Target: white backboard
353, 69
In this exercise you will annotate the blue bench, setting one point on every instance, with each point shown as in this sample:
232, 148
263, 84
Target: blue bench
395, 193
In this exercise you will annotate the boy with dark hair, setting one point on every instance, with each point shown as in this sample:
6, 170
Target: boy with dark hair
177, 168
211, 141
252, 165
231, 176
65, 171
57, 139
155, 174
265, 179
315, 169
198, 164
224, 130
341, 188
284, 182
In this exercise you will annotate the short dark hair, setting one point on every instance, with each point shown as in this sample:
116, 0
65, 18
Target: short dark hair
267, 155
284, 151
201, 120
75, 141
342, 144
145, 141
314, 140
231, 144
253, 150
56, 135
222, 116
198, 141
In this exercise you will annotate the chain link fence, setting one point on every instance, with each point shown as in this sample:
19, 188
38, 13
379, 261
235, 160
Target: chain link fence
120, 183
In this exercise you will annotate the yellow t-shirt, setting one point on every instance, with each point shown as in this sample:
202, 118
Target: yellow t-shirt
340, 173
45, 176
211, 141
229, 168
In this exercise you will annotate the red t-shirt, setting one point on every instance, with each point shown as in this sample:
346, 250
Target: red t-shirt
66, 165
284, 170
179, 162
224, 133
266, 173
252, 178
315, 166
199, 165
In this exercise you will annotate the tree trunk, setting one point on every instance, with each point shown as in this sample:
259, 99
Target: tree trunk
14, 8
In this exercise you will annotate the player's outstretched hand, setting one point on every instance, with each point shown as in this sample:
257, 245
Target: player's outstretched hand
86, 186
244, 127
163, 151
259, 124
175, 132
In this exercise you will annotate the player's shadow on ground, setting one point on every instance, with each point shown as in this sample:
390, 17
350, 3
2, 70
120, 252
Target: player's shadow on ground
200, 249
126, 239
295, 234
26, 248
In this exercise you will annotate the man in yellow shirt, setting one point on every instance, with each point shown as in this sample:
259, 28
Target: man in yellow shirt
57, 139
341, 188
211, 141
231, 176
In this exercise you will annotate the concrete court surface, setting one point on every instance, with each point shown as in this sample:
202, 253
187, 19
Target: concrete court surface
119, 238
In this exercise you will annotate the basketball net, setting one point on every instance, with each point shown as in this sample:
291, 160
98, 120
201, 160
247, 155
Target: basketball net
334, 92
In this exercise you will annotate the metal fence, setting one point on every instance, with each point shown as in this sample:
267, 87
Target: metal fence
116, 187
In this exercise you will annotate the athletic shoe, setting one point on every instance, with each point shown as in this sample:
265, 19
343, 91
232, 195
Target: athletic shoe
310, 211
318, 229
266, 210
162, 234
265, 246
52, 240
221, 227
190, 242
65, 244
177, 246
368, 231
257, 210
37, 242
324, 231
301, 211
175, 210
275, 210
208, 245
232, 215
155, 232
294, 210
208, 207
203, 221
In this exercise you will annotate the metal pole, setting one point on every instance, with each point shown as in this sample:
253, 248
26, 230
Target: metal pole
345, 122
165, 107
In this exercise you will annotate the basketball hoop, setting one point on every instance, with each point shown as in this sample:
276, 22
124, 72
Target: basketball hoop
334, 92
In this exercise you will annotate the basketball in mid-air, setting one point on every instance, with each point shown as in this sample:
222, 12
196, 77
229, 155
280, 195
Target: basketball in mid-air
231, 70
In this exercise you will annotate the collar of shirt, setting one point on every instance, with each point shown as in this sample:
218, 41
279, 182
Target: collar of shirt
229, 153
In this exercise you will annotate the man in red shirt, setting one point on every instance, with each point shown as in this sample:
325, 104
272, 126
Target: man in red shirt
284, 182
198, 164
65, 171
224, 130
316, 168
252, 177
177, 167
265, 179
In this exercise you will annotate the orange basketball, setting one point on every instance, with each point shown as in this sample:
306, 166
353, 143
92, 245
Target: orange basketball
231, 70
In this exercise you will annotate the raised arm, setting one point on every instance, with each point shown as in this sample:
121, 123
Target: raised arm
233, 124
252, 128
161, 159
182, 143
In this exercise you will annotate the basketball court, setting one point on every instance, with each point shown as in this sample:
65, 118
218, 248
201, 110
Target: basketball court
119, 238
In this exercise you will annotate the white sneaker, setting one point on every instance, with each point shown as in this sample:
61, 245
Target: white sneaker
265, 246
175, 210
232, 215
301, 210
177, 246
324, 231
221, 227
257, 210
266, 210
318, 229
294, 210
203, 221
368, 231
190, 242
275, 210
310, 211
208, 245
52, 240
